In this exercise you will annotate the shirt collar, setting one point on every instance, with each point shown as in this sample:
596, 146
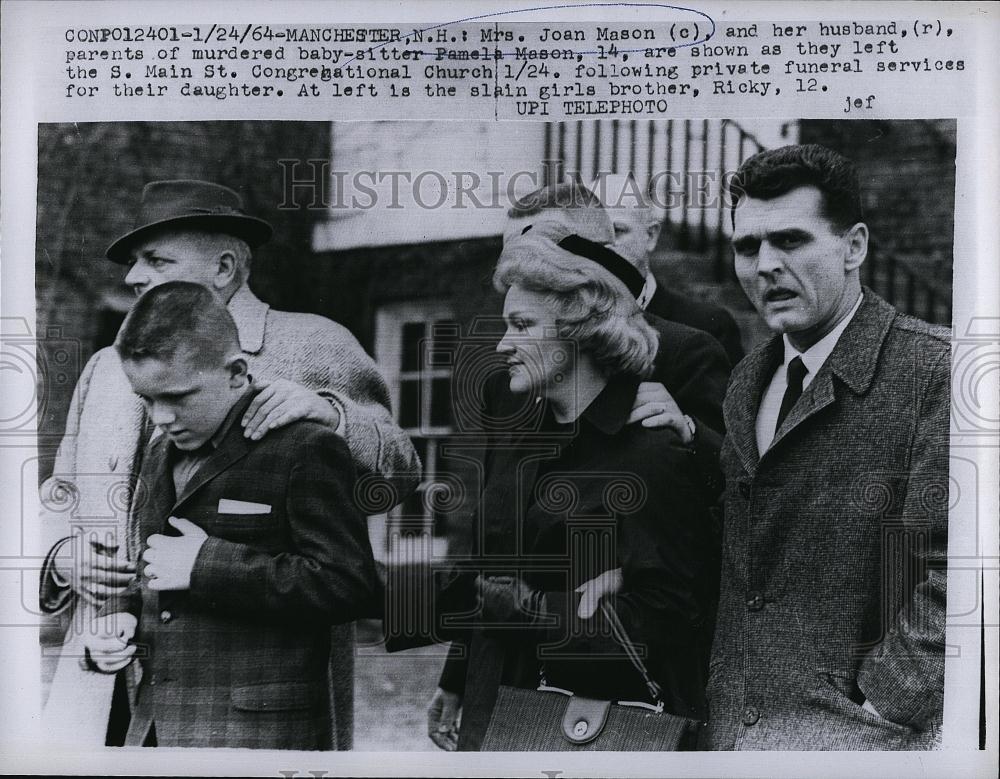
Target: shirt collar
648, 290
250, 314
816, 355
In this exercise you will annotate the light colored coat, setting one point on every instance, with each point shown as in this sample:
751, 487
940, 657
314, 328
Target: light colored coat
834, 550
90, 487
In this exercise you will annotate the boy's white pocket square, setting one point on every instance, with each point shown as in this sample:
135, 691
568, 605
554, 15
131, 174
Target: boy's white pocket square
227, 506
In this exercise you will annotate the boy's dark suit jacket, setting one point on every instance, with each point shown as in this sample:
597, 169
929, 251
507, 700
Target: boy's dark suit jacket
240, 659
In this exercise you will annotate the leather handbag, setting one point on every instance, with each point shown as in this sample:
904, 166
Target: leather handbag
550, 719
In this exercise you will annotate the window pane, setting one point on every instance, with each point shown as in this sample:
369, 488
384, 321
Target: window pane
420, 444
409, 403
445, 331
444, 334
441, 402
413, 336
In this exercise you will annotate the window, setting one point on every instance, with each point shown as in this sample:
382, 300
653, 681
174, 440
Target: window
414, 343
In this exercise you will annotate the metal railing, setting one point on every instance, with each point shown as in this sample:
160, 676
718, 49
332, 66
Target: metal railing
746, 146
905, 282
689, 162
684, 163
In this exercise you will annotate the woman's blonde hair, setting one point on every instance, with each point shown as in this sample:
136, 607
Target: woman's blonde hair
594, 308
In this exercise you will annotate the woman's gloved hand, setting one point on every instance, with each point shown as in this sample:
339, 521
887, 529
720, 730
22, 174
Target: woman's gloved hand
510, 600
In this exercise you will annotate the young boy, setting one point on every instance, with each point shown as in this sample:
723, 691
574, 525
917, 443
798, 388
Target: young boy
251, 549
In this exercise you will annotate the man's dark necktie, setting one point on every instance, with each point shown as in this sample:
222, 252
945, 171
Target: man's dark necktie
797, 371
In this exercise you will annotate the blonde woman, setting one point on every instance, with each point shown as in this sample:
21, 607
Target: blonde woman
572, 497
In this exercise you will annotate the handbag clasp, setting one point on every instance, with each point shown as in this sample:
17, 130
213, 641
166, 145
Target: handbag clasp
584, 719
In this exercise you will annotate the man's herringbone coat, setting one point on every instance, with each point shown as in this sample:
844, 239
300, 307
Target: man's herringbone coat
241, 658
833, 572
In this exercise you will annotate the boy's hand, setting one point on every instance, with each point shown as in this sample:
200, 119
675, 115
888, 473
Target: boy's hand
108, 651
169, 559
281, 402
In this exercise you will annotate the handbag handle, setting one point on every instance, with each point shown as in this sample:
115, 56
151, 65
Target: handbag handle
622, 637
631, 651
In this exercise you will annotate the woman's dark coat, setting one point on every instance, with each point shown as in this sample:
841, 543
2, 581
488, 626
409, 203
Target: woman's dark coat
560, 505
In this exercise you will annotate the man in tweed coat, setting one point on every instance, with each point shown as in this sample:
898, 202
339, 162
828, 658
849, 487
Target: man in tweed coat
250, 548
308, 367
830, 631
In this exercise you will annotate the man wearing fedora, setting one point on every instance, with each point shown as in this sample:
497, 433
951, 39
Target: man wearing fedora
307, 367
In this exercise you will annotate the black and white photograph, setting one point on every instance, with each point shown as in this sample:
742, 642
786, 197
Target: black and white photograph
350, 438
605, 359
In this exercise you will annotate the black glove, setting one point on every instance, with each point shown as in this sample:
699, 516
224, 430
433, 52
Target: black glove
509, 600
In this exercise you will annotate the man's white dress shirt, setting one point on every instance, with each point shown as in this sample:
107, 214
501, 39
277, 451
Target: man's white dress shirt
813, 358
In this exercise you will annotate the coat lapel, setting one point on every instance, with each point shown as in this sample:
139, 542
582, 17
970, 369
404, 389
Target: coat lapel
817, 396
233, 447
101, 454
743, 400
853, 360
157, 483
607, 413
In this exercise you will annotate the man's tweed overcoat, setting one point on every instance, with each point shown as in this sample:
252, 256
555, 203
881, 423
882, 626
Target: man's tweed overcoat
833, 572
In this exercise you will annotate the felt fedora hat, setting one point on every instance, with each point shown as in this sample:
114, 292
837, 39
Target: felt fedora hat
195, 204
